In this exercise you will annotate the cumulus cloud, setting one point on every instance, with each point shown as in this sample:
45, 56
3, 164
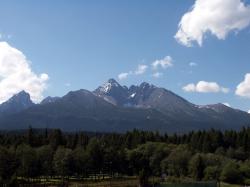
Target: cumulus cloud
157, 74
122, 76
16, 75
243, 89
248, 111
205, 87
163, 63
141, 69
189, 87
218, 17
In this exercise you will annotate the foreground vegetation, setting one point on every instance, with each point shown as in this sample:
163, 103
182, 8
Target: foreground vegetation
39, 156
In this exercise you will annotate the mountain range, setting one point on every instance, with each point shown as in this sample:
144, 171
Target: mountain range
115, 108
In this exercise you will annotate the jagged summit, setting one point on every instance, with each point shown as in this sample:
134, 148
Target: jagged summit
107, 86
23, 93
143, 95
112, 92
145, 85
21, 97
49, 99
16, 103
113, 81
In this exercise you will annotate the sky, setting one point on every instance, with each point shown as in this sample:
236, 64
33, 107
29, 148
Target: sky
198, 49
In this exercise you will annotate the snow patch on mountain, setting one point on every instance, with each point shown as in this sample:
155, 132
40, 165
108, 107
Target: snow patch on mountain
132, 95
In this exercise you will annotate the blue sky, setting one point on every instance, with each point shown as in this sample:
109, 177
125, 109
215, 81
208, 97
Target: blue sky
81, 44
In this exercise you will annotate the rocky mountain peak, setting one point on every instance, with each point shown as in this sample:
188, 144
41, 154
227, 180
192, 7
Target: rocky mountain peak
49, 99
17, 103
146, 86
21, 97
108, 86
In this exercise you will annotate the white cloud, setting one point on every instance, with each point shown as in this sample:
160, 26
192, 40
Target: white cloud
157, 74
189, 87
226, 104
122, 76
16, 75
192, 64
243, 89
164, 63
219, 17
248, 111
141, 69
205, 87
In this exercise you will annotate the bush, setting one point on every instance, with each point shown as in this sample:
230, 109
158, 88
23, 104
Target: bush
231, 173
211, 173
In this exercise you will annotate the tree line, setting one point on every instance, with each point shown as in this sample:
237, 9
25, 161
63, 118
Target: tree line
198, 155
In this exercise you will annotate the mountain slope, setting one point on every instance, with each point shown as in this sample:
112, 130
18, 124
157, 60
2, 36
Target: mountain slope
112, 107
177, 109
231, 118
82, 110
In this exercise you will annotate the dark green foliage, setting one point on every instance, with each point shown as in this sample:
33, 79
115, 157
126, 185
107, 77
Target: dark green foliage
177, 161
45, 160
27, 158
197, 166
8, 164
63, 162
231, 173
201, 155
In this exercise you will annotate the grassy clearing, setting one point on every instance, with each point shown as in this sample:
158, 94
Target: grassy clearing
229, 185
117, 183
86, 182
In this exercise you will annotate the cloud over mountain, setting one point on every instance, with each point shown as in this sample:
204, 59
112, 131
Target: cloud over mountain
163, 63
122, 76
16, 75
218, 17
243, 89
205, 87
141, 69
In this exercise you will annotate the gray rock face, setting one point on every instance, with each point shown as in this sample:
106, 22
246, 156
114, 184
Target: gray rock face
112, 92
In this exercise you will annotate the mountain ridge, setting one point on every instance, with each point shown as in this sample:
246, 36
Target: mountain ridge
116, 108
